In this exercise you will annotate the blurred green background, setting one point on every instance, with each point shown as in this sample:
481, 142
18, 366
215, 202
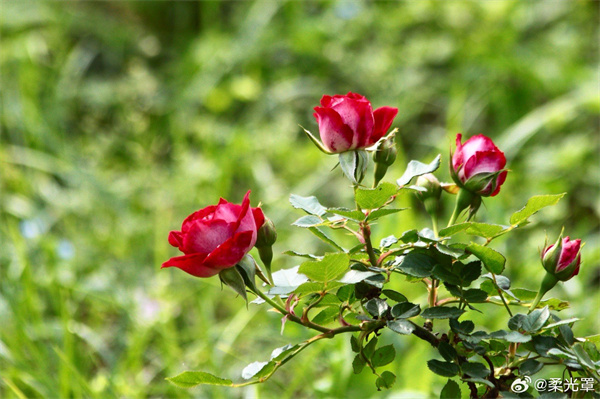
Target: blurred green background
119, 118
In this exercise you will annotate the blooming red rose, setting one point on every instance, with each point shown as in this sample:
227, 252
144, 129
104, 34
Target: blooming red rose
216, 237
349, 122
562, 259
477, 165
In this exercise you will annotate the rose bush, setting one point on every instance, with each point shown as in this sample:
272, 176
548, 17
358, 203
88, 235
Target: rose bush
349, 122
477, 165
216, 237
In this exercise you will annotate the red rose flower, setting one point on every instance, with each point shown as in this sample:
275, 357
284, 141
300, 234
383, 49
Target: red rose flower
349, 122
477, 165
216, 237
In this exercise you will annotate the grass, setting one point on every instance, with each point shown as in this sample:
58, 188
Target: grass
118, 119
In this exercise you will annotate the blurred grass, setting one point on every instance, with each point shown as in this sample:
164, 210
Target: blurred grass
118, 119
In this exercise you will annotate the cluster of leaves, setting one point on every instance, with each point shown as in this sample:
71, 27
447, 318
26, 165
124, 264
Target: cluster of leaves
345, 292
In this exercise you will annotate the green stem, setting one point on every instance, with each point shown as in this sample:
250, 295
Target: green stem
366, 230
463, 201
548, 283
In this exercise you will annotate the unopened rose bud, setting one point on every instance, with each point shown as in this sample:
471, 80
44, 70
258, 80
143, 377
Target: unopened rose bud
431, 184
384, 156
478, 165
562, 259
266, 237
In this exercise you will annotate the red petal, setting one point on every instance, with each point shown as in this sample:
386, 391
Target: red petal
231, 251
205, 236
335, 135
484, 162
242, 216
457, 157
357, 114
569, 252
192, 264
176, 239
478, 143
259, 217
326, 101
205, 213
384, 117
499, 182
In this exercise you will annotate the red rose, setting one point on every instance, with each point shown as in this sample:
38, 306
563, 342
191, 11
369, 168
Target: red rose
349, 122
562, 259
216, 237
477, 165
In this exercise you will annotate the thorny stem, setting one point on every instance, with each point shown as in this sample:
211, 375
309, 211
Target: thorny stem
366, 230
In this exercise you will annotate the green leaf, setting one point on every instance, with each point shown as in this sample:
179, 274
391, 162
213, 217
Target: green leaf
416, 264
416, 168
445, 369
190, 379
515, 322
294, 253
442, 312
384, 355
403, 327
373, 198
476, 370
530, 367
583, 358
493, 261
533, 205
309, 205
383, 212
475, 295
357, 216
562, 322
405, 310
386, 381
308, 221
511, 336
450, 391
536, 320
445, 275
358, 364
387, 242
409, 236
356, 276
280, 353
354, 344
470, 272
477, 229
463, 327
327, 315
394, 295
346, 293
447, 351
370, 347
376, 307
323, 236
252, 369
330, 268
286, 281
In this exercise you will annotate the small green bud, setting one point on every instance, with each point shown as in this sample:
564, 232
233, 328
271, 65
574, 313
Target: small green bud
267, 235
431, 184
384, 156
386, 151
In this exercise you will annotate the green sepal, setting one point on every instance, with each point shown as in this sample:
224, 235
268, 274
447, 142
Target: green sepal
316, 141
354, 164
232, 278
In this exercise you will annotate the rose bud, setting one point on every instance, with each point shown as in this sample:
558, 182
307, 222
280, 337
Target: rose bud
267, 235
477, 165
384, 156
216, 237
562, 259
349, 122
